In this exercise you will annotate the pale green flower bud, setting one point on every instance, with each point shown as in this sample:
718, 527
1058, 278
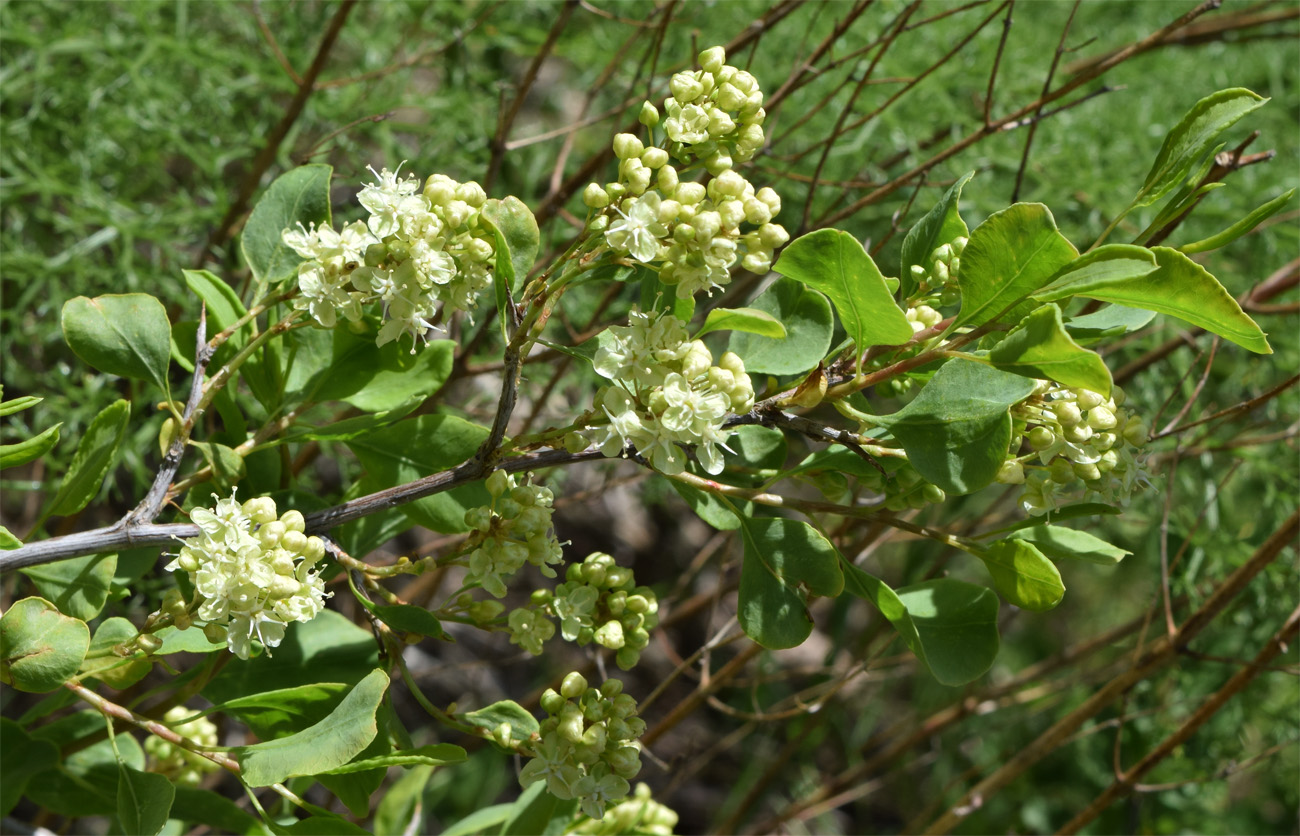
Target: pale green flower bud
479, 250
732, 363
552, 702
188, 562
627, 146
732, 213
1103, 441
686, 87
707, 225
1077, 434
283, 587
713, 59
1135, 431
689, 194
1087, 399
756, 211
215, 633
720, 124
293, 520
575, 442
1067, 412
682, 234
1061, 470
954, 266
666, 179
1108, 461
610, 634
959, 245
668, 211
639, 179
1040, 438
729, 97
472, 193
773, 235
940, 272
1011, 472
933, 494
598, 223
757, 262
616, 192
1101, 418
260, 509
270, 534
942, 253
1117, 396
293, 542
654, 158
149, 643
594, 196
718, 162
498, 483
1087, 471
722, 379
574, 685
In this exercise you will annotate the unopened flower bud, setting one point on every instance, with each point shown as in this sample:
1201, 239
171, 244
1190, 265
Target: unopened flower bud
686, 87
1067, 412
1101, 418
1061, 470
627, 146
293, 520
149, 643
1011, 472
654, 158
1040, 438
498, 483
1087, 399
573, 686
270, 534
713, 59
689, 194
260, 509
649, 115
594, 197
666, 179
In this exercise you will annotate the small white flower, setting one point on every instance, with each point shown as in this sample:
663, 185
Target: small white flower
637, 231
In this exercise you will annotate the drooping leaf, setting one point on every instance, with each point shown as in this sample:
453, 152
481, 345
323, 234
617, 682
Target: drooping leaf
522, 723
330, 743
1008, 257
433, 755
517, 238
40, 647
950, 625
24, 757
1039, 347
834, 262
1241, 227
77, 586
96, 452
216, 811
748, 320
785, 560
30, 449
144, 801
1067, 543
1192, 138
957, 430
1023, 575
300, 195
1179, 287
940, 226
806, 315
127, 335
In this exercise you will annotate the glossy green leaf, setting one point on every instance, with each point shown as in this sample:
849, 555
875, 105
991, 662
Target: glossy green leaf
1179, 287
517, 238
40, 647
379, 378
107, 666
834, 262
228, 467
1023, 575
1039, 347
330, 743
806, 315
1110, 263
216, 811
96, 452
522, 723
222, 304
957, 430
410, 619
7, 540
1192, 138
1241, 227
1008, 257
30, 449
538, 813
1063, 543
758, 454
785, 560
127, 335
192, 640
281, 712
24, 757
18, 404
436, 754
940, 226
1110, 321
77, 586
748, 320
950, 625
144, 801
300, 195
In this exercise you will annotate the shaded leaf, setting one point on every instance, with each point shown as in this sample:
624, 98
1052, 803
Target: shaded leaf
78, 586
522, 724
785, 560
380, 378
24, 757
1110, 321
144, 801
709, 508
96, 452
806, 315
1009, 256
31, 449
284, 711
536, 811
217, 812
1023, 575
1039, 347
127, 335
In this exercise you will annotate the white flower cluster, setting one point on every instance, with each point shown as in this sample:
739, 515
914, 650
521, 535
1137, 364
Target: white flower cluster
637, 815
588, 746
180, 765
253, 572
515, 529
690, 230
599, 601
418, 250
666, 392
1077, 436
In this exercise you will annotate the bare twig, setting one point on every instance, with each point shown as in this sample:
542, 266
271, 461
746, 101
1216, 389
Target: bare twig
1047, 86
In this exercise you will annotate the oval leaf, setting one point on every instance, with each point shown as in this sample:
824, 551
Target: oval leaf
1040, 347
748, 320
329, 744
834, 262
126, 335
24, 757
784, 561
806, 315
522, 724
79, 586
1066, 543
517, 238
144, 801
95, 455
1023, 575
940, 226
1009, 256
300, 195
40, 647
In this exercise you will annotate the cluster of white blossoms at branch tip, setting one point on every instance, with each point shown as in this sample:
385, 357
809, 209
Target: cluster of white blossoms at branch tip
1077, 437
692, 232
253, 572
666, 393
588, 747
180, 765
419, 250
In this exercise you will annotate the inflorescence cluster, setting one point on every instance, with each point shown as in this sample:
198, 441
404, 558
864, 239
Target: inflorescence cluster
182, 766
515, 529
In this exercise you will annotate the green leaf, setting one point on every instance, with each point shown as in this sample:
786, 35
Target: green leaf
1039, 347
217, 812
105, 665
748, 320
1192, 138
784, 561
950, 625
78, 586
1179, 287
357, 425
1110, 321
1241, 227
1110, 263
86, 783
1023, 575
957, 430
7, 540
22, 452
1067, 543
940, 226
95, 455
227, 465
517, 238
223, 305
522, 724
759, 453
284, 711
1008, 257
436, 754
144, 801
127, 335
24, 757
421, 446
536, 811
192, 640
402, 803
40, 647
320, 825
834, 262
300, 195
709, 508
379, 378
330, 743
1066, 512
481, 821
410, 619
806, 315
18, 404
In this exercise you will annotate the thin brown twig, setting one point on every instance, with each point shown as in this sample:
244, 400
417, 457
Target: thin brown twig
1047, 86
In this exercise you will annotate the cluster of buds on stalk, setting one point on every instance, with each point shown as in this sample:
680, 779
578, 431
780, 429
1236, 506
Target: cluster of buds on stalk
181, 766
938, 280
515, 529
